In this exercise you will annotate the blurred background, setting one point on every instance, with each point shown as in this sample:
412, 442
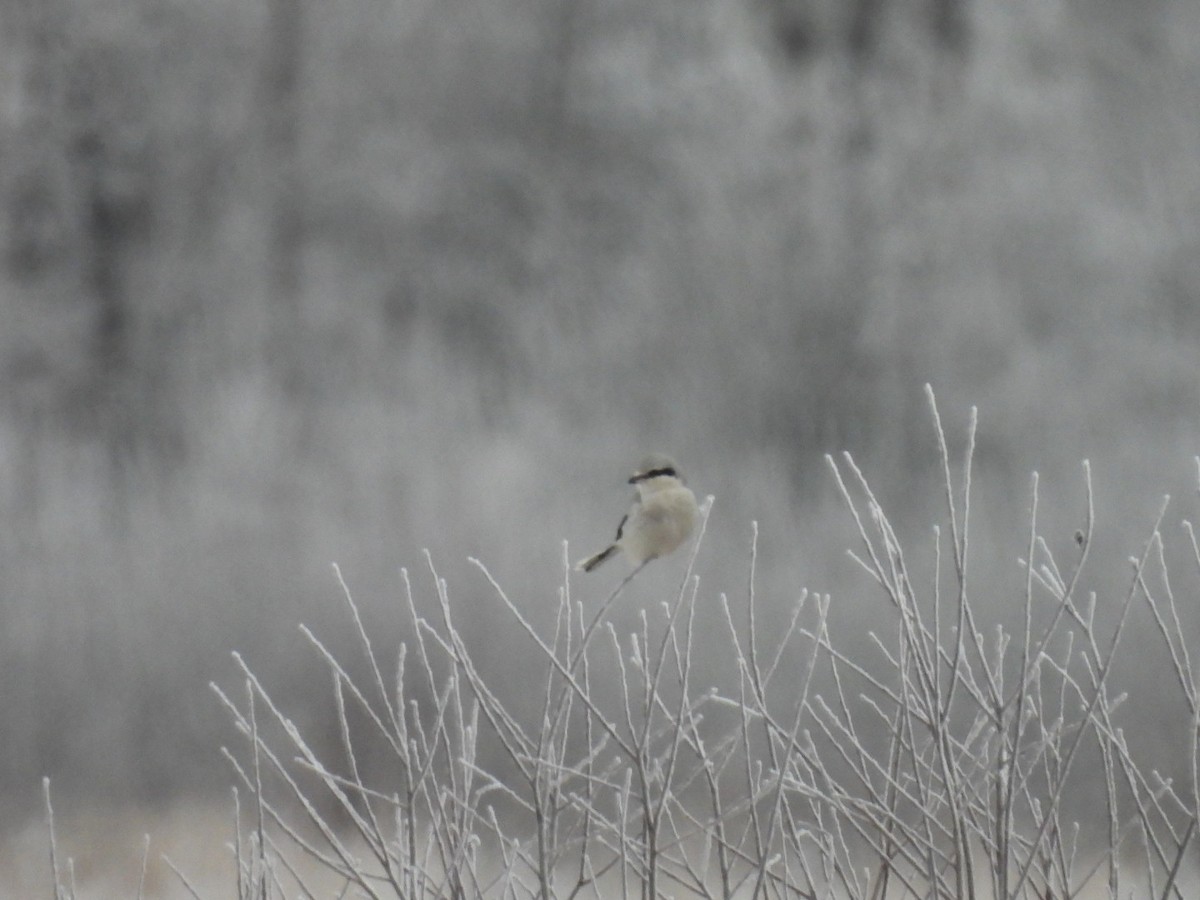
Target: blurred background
289, 282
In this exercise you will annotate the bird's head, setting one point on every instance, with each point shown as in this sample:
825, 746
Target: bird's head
655, 466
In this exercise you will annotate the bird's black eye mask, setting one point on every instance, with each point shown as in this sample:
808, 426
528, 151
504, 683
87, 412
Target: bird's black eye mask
653, 473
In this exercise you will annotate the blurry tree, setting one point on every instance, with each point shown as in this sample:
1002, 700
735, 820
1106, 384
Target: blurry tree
803, 29
36, 174
79, 206
284, 187
112, 157
950, 23
562, 27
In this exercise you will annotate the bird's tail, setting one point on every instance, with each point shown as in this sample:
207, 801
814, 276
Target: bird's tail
586, 565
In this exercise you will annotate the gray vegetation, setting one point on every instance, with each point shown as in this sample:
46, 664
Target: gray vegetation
941, 765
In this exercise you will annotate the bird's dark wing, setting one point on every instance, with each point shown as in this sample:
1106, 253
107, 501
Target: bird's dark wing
621, 526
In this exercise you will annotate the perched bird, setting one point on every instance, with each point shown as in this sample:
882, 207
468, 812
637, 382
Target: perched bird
661, 517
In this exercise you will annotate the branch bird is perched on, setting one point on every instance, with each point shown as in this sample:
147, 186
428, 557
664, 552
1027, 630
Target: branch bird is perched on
661, 517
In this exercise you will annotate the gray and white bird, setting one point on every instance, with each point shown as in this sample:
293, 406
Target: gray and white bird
661, 517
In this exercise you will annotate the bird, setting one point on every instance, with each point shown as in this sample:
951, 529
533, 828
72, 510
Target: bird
661, 517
